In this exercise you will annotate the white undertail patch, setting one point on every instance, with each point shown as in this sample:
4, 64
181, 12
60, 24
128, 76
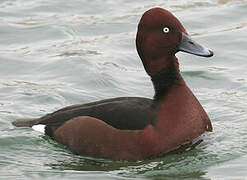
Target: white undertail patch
39, 128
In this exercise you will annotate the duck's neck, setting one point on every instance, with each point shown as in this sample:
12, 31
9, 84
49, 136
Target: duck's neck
165, 79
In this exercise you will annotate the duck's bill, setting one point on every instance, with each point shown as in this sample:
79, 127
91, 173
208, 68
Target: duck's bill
192, 47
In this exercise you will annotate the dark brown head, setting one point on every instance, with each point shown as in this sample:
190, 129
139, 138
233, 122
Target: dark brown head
160, 36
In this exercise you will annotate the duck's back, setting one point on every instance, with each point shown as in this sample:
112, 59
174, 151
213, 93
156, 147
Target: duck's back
131, 113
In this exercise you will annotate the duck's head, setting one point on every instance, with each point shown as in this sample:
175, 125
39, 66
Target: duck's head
160, 36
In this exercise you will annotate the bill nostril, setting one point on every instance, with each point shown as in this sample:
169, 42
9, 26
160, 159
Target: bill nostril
191, 42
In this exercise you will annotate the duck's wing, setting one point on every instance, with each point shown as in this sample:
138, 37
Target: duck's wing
130, 113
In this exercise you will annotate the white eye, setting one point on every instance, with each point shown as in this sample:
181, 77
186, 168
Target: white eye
166, 30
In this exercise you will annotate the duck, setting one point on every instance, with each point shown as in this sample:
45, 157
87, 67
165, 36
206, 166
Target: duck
137, 128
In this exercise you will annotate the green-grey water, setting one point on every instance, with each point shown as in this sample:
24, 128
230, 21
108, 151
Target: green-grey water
55, 53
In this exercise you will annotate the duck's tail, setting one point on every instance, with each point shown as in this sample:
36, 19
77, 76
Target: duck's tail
26, 122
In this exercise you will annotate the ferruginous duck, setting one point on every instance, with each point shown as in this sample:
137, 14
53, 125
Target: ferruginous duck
136, 128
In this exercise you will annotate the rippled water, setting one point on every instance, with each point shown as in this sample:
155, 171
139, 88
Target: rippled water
55, 53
